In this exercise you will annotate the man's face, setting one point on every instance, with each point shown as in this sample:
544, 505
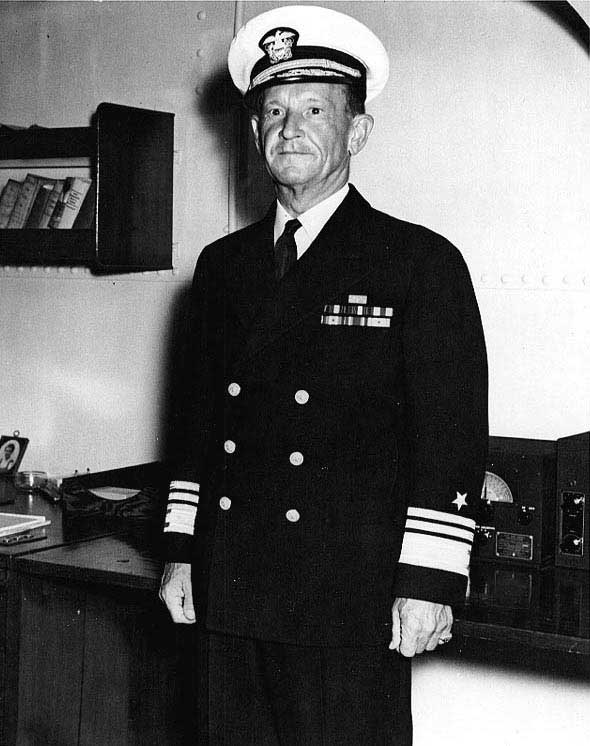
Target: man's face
303, 132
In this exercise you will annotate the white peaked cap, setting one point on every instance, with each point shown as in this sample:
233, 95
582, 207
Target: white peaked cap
295, 43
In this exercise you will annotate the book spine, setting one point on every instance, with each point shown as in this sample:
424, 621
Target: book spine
55, 218
24, 202
38, 208
85, 217
72, 201
8, 200
51, 203
66, 210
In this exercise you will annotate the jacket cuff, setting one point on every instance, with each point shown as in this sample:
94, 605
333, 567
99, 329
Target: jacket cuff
434, 560
180, 521
177, 548
437, 586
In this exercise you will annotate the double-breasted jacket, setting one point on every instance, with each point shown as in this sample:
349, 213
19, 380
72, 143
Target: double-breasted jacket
336, 431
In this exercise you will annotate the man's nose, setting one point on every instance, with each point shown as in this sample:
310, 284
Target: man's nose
291, 125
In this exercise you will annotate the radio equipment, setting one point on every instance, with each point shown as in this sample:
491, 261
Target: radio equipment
572, 537
516, 516
547, 599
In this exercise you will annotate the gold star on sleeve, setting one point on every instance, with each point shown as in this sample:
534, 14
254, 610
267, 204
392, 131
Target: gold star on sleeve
460, 501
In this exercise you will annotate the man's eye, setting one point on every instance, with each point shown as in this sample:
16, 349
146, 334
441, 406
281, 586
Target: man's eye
315, 110
274, 112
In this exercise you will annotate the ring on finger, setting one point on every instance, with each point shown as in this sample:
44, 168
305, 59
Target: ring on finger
444, 640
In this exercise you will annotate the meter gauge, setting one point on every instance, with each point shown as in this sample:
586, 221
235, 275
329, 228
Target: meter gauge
495, 489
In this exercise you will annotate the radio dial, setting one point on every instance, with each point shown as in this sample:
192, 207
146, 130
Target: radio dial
571, 544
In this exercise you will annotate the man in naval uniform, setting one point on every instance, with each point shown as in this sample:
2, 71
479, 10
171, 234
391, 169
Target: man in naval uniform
321, 516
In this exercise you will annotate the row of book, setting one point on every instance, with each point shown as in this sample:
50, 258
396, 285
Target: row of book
43, 202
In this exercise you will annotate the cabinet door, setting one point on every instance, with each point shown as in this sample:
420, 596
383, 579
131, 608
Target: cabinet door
134, 171
138, 666
99, 667
50, 664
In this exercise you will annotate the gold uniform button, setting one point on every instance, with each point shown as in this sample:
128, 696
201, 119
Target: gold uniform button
302, 396
292, 515
229, 446
234, 389
225, 503
296, 458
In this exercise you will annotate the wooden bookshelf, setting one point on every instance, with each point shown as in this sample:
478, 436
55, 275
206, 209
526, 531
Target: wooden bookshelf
130, 152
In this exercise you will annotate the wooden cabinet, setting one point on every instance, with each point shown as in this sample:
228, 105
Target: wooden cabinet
130, 153
94, 658
100, 666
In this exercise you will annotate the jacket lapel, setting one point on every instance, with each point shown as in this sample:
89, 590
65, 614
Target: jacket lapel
249, 271
336, 260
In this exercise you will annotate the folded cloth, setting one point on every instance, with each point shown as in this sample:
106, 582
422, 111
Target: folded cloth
80, 502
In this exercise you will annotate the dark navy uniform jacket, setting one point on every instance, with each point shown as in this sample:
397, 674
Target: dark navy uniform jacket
337, 431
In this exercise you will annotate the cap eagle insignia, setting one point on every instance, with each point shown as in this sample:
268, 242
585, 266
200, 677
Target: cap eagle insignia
278, 44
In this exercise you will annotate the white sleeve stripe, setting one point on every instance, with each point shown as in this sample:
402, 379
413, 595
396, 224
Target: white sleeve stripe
181, 509
440, 529
190, 486
440, 536
179, 528
440, 525
435, 552
434, 564
440, 515
180, 519
183, 497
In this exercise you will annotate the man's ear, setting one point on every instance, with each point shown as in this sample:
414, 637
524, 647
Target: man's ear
254, 123
360, 129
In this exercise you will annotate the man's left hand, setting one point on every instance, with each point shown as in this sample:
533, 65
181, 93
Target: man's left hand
419, 625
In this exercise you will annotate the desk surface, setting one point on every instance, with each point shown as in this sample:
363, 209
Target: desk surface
534, 609
59, 532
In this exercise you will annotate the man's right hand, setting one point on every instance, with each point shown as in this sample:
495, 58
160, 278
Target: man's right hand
176, 592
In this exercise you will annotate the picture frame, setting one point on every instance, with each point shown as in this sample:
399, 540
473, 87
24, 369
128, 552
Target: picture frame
12, 450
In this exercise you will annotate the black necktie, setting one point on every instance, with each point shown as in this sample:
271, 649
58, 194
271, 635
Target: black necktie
286, 248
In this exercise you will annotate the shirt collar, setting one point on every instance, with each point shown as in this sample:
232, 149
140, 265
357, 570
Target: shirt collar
312, 220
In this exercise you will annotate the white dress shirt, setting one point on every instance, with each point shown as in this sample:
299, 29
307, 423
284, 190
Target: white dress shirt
312, 220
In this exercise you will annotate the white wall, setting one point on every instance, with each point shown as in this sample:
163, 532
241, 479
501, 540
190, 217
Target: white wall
85, 361
482, 134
